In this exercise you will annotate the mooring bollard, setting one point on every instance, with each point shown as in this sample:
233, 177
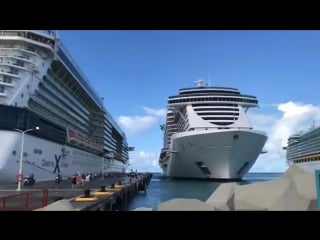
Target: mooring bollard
112, 186
87, 193
103, 189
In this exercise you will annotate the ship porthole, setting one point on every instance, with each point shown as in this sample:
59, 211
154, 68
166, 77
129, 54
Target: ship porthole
235, 136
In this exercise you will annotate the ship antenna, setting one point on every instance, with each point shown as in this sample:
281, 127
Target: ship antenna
200, 83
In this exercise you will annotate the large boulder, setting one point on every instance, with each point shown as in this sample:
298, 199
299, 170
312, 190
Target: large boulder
182, 204
222, 199
61, 205
271, 195
305, 184
292, 171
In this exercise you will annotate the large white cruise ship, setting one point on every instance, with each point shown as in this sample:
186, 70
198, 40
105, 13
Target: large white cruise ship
42, 87
208, 135
303, 149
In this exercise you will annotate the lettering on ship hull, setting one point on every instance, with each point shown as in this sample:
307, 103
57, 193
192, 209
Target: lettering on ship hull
46, 163
57, 167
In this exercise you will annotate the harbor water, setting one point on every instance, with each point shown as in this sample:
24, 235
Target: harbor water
162, 189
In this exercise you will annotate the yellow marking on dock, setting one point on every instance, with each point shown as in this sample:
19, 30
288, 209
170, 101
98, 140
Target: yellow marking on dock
83, 199
74, 198
102, 193
113, 189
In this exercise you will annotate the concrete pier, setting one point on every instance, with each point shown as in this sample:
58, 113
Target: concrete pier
108, 194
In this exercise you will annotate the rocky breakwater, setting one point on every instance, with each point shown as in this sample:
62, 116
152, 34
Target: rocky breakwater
295, 191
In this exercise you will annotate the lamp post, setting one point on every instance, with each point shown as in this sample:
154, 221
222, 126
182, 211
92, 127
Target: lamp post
21, 153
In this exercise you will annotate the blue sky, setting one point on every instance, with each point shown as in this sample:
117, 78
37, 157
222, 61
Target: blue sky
135, 71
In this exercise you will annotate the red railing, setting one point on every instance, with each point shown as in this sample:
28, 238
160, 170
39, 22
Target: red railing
24, 201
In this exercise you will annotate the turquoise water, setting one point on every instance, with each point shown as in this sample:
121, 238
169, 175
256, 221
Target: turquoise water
162, 189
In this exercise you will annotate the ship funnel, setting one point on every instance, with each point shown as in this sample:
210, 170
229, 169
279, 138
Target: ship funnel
200, 83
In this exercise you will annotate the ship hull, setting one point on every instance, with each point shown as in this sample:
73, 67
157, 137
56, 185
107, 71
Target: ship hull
46, 159
225, 155
308, 166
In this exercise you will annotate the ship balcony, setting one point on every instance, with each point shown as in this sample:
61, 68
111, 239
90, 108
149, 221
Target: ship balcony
6, 84
99, 124
21, 58
97, 134
14, 65
29, 36
3, 92
30, 51
10, 74
96, 117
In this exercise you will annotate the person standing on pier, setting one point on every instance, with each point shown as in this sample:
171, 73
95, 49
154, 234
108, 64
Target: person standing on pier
74, 181
78, 177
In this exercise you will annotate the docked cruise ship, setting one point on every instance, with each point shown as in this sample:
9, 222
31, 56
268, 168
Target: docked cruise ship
303, 149
51, 117
208, 135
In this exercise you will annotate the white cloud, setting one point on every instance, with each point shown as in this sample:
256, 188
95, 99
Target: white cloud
135, 124
138, 124
261, 121
295, 117
144, 161
156, 112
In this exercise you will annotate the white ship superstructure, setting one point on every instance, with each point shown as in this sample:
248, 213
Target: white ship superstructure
303, 149
208, 135
41, 85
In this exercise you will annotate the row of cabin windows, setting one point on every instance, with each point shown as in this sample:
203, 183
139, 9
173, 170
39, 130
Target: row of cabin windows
7, 79
219, 118
242, 100
13, 117
307, 160
210, 91
25, 154
19, 63
218, 113
222, 123
216, 109
78, 153
21, 55
35, 37
214, 104
191, 129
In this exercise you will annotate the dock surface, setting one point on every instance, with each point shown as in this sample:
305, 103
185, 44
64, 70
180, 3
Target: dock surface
45, 193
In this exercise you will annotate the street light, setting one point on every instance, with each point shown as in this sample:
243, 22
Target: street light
21, 153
